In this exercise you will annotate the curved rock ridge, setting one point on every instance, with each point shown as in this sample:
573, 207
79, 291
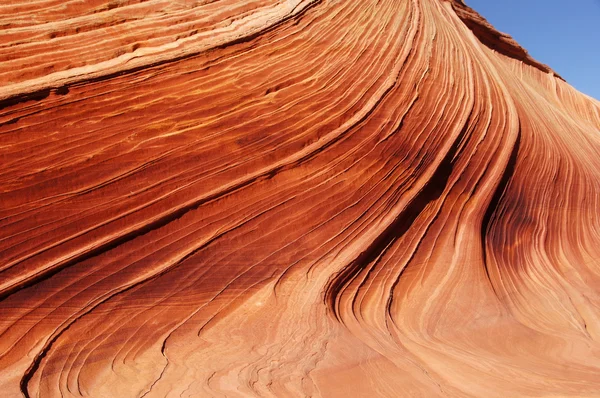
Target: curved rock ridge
494, 39
375, 198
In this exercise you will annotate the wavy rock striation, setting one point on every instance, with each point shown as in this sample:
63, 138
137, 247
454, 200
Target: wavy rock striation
291, 198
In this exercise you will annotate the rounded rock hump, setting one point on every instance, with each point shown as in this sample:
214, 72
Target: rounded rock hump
262, 198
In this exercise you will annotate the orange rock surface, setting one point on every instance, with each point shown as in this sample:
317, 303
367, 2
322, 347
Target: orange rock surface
301, 198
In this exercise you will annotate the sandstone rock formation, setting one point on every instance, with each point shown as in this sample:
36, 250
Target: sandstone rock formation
262, 198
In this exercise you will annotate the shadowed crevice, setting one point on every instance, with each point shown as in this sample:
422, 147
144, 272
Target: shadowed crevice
432, 190
495, 202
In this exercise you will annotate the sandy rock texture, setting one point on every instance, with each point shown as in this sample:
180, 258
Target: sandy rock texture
301, 198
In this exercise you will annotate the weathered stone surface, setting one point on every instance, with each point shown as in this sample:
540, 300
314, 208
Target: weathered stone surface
374, 198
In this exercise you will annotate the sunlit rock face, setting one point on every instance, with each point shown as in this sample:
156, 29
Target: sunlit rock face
260, 198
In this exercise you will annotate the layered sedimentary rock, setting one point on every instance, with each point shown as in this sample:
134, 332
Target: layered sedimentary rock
291, 198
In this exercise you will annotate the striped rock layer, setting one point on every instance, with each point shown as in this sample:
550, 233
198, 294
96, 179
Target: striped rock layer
301, 198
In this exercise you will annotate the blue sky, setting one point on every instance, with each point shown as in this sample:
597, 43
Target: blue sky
564, 35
